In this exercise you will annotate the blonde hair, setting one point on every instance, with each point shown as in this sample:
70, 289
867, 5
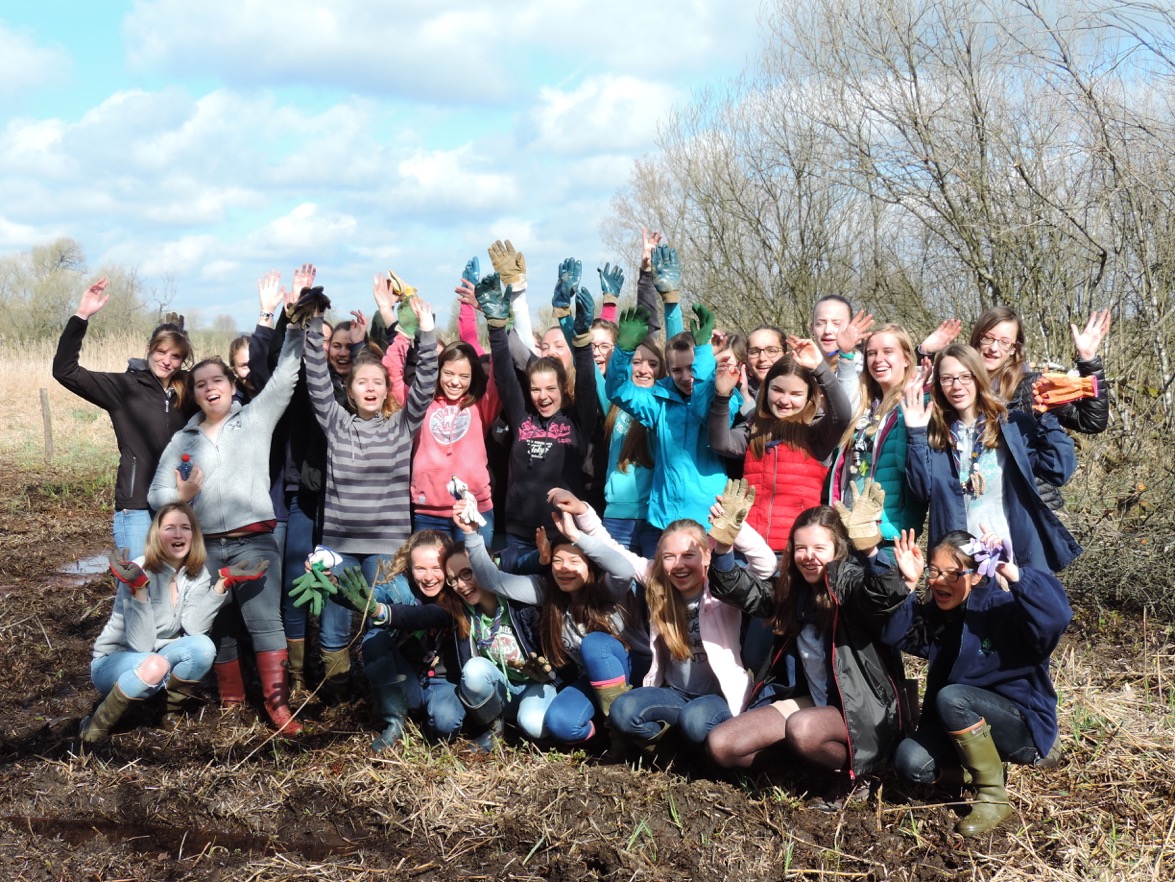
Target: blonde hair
870, 389
666, 607
154, 555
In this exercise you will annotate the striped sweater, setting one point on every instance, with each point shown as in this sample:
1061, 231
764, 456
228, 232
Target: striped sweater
368, 461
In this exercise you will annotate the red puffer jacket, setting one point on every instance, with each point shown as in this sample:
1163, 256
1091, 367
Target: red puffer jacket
786, 482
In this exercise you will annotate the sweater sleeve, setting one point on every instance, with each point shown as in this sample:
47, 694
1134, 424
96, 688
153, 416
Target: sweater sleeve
163, 486
201, 604
318, 384
587, 405
642, 404
260, 342
269, 405
394, 360
590, 524
726, 440
825, 434
848, 377
467, 328
509, 387
424, 384
524, 589
608, 558
138, 621
98, 388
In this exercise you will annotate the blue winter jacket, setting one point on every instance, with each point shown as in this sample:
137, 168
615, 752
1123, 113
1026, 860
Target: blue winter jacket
1005, 646
687, 474
1037, 448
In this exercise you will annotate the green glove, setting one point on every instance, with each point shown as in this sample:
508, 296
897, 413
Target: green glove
634, 327
407, 322
355, 590
862, 518
702, 325
611, 281
666, 273
565, 288
313, 588
493, 302
534, 667
737, 499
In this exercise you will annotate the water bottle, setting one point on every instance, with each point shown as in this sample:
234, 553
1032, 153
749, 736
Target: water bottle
185, 466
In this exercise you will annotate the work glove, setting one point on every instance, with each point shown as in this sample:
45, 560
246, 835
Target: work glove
585, 314
1054, 389
634, 328
862, 519
611, 281
509, 264
736, 501
570, 271
310, 302
353, 588
399, 287
126, 570
472, 271
495, 304
534, 667
666, 273
701, 326
243, 571
407, 322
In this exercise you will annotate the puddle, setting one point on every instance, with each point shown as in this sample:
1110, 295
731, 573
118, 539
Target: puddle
78, 573
180, 841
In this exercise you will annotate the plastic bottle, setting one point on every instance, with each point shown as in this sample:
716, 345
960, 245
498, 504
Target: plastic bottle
186, 466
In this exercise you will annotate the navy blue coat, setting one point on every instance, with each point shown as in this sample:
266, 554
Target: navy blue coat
1005, 646
1036, 448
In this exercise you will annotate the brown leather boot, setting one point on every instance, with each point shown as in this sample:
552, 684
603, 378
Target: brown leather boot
275, 688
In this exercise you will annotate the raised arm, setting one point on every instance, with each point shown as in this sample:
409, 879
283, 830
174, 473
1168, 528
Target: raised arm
322, 393
424, 384
524, 589
98, 388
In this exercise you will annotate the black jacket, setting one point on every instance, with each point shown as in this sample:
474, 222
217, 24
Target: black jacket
142, 411
867, 676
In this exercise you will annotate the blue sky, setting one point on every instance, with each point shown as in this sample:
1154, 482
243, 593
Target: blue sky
211, 142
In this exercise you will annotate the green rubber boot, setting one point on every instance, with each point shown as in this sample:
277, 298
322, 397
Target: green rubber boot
181, 697
96, 727
979, 757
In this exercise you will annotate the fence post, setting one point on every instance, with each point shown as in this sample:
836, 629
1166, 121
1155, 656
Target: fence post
47, 420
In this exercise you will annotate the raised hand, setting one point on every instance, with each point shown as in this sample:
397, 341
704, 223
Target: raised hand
508, 263
358, 331
862, 519
908, 556
649, 241
401, 288
565, 524
423, 312
634, 327
570, 271
242, 571
854, 331
611, 281
804, 352
385, 298
585, 313
1088, 341
565, 500
736, 500
667, 273
727, 377
270, 293
916, 409
701, 326
466, 292
304, 278
492, 301
93, 299
941, 337
126, 570
543, 544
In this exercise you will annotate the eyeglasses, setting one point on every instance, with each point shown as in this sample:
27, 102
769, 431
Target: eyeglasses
965, 380
466, 576
1002, 345
951, 577
601, 347
771, 351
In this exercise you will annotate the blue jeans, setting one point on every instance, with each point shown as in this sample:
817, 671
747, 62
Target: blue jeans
644, 713
446, 527
335, 623
526, 703
190, 659
384, 664
922, 757
130, 530
635, 534
299, 544
256, 603
569, 717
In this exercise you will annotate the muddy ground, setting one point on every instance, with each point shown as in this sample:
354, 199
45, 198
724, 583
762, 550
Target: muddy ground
220, 799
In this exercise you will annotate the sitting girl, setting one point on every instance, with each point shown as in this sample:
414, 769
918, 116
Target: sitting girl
157, 634
988, 629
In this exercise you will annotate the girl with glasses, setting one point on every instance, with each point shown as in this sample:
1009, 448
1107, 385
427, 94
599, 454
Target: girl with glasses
975, 462
989, 697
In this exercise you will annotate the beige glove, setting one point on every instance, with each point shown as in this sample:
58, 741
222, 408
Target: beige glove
863, 517
400, 288
509, 264
1054, 389
736, 500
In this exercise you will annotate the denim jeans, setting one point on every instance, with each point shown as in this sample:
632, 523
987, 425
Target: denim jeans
256, 603
130, 530
446, 527
525, 703
299, 544
384, 664
644, 712
921, 757
190, 659
637, 535
569, 717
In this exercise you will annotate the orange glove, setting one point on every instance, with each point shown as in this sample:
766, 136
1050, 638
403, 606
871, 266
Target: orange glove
1054, 389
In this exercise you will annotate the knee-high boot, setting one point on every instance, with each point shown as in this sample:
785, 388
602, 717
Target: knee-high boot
979, 756
96, 727
275, 688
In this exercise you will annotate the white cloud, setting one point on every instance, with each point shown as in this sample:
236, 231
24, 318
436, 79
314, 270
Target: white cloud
609, 113
26, 65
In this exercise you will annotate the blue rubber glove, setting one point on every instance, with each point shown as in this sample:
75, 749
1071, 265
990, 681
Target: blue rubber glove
495, 305
585, 313
666, 273
570, 271
472, 271
611, 281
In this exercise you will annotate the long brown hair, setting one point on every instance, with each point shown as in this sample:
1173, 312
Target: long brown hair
792, 431
589, 608
790, 584
173, 335
478, 380
1005, 380
154, 556
666, 607
870, 389
938, 435
635, 449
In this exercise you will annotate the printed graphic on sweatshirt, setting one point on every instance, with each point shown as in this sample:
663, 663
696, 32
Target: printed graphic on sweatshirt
540, 439
449, 424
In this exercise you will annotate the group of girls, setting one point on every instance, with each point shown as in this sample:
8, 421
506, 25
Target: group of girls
592, 600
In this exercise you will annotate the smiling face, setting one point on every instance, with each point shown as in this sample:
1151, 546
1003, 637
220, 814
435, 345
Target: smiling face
456, 377
684, 561
764, 348
948, 594
602, 346
165, 359
175, 537
545, 394
460, 578
886, 361
213, 388
338, 353
787, 396
424, 566
997, 345
828, 319
569, 568
240, 363
646, 365
681, 369
554, 345
367, 389
958, 385
813, 549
